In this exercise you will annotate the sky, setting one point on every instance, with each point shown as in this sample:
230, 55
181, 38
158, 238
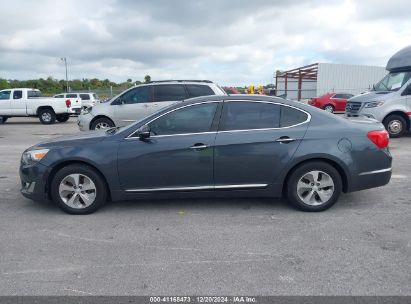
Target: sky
231, 42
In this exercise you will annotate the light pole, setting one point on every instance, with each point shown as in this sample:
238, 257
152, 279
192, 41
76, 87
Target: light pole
64, 59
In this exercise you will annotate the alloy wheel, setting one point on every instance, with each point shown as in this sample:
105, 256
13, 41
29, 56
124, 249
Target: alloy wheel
315, 188
102, 125
77, 191
395, 126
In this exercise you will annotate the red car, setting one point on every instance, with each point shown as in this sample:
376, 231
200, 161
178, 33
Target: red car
331, 102
231, 90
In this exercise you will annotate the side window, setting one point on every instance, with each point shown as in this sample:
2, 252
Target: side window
17, 94
85, 96
137, 95
339, 96
192, 119
291, 117
4, 95
195, 90
59, 96
71, 96
242, 115
33, 94
169, 92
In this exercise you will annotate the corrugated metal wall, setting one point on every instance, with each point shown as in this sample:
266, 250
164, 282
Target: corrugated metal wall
347, 78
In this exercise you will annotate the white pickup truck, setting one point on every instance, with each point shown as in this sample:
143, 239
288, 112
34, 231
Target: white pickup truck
23, 102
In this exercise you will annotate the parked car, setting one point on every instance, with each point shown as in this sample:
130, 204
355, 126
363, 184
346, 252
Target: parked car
26, 102
142, 100
331, 102
84, 100
238, 145
390, 99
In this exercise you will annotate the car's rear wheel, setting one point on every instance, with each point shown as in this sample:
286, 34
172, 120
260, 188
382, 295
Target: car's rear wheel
395, 125
3, 119
62, 117
78, 189
101, 123
329, 108
314, 186
47, 116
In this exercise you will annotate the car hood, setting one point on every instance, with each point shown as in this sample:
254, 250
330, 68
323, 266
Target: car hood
83, 138
372, 96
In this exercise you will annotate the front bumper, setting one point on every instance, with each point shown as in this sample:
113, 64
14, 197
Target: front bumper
34, 181
83, 121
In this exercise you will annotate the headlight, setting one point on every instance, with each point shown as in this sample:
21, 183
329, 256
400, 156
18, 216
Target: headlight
374, 104
33, 156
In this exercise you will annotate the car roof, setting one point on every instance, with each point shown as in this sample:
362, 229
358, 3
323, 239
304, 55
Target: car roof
161, 82
245, 97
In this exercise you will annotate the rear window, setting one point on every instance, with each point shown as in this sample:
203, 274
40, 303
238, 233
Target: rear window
95, 96
240, 115
167, 92
291, 117
33, 94
195, 90
85, 96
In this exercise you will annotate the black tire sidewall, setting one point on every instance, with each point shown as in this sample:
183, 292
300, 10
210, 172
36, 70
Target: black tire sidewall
295, 176
98, 120
395, 117
3, 119
98, 180
62, 117
53, 117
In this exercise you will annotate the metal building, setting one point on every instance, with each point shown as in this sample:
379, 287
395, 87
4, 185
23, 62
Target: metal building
319, 78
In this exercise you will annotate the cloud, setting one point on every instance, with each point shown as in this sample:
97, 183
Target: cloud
231, 42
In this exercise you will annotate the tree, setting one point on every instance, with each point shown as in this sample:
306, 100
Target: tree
129, 80
147, 78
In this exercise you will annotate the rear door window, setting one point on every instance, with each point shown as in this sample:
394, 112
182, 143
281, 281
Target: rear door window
196, 90
242, 115
33, 94
17, 94
291, 116
169, 92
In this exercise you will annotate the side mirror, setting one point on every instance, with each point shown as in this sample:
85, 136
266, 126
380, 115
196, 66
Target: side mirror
144, 132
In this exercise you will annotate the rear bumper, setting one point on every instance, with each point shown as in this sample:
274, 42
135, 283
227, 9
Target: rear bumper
371, 179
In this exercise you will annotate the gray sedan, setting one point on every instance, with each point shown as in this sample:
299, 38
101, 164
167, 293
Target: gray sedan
218, 146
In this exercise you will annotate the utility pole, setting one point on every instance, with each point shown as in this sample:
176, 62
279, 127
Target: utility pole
64, 59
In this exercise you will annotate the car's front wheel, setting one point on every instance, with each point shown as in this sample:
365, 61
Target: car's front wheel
78, 189
395, 125
314, 186
62, 117
101, 123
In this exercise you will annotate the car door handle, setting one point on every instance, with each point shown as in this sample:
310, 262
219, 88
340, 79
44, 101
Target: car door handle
284, 140
198, 147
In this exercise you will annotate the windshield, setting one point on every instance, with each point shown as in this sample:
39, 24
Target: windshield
392, 82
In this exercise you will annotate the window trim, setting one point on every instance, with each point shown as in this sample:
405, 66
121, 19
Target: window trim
130, 136
266, 129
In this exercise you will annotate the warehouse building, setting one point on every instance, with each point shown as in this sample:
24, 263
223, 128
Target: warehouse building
320, 78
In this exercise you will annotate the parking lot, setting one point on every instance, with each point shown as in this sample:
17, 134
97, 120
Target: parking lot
361, 246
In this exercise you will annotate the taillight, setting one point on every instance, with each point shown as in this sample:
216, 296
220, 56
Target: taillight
380, 138
68, 103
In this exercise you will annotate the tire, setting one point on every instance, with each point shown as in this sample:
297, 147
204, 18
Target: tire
329, 108
62, 117
64, 187
47, 116
395, 125
3, 119
101, 123
303, 195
